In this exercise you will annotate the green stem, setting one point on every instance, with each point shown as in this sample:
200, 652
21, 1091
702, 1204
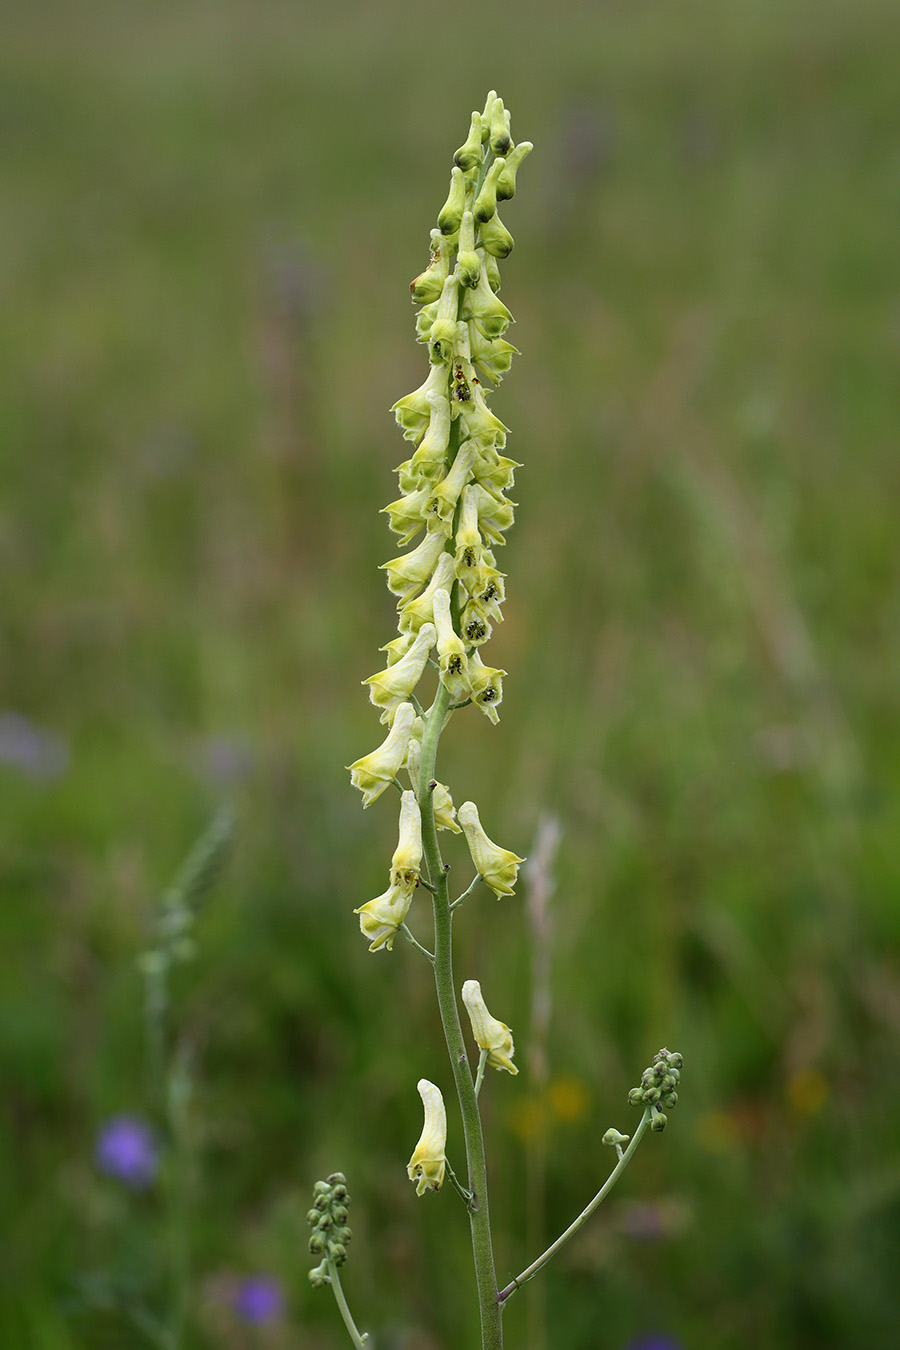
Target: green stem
409, 937
358, 1340
479, 1077
482, 1248
573, 1227
467, 892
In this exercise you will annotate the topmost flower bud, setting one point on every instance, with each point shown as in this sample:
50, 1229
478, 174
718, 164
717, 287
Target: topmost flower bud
451, 212
469, 154
500, 139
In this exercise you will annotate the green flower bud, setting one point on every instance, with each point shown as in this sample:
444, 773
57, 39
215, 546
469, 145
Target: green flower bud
337, 1179
506, 183
427, 286
321, 1188
490, 315
651, 1095
658, 1121
675, 1060
486, 201
339, 1253
635, 1097
500, 139
424, 321
316, 1244
451, 213
612, 1137
486, 116
468, 263
669, 1100
492, 270
319, 1276
495, 238
312, 1217
468, 156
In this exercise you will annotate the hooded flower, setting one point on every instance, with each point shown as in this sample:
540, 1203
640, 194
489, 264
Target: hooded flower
413, 412
451, 650
420, 611
407, 857
428, 1162
373, 772
485, 685
490, 1035
393, 686
381, 917
498, 866
409, 573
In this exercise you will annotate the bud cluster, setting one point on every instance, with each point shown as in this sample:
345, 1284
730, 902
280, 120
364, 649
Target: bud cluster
328, 1221
659, 1083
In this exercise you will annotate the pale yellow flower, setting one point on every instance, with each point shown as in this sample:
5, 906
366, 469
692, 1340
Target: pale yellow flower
374, 771
498, 866
451, 649
381, 917
420, 611
390, 688
428, 1162
407, 857
409, 573
490, 1035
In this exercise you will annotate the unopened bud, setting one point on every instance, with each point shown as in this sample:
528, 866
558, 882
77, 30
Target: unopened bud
506, 183
657, 1121
612, 1137
486, 116
486, 201
451, 213
492, 272
318, 1277
500, 139
635, 1097
495, 238
468, 156
316, 1244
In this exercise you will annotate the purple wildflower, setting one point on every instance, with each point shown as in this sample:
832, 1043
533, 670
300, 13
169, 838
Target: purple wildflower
126, 1148
259, 1299
654, 1343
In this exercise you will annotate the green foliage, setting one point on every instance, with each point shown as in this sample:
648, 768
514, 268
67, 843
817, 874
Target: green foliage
201, 224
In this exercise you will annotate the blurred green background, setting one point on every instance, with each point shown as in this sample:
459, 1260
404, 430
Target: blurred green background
210, 214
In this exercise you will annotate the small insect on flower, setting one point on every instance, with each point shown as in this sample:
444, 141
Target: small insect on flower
461, 391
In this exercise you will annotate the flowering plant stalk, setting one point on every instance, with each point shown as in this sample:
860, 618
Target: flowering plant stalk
450, 593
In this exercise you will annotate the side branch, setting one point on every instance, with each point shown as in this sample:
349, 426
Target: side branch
573, 1228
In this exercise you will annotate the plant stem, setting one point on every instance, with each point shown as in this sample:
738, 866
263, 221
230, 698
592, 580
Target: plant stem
479, 1077
482, 1248
573, 1227
467, 892
358, 1340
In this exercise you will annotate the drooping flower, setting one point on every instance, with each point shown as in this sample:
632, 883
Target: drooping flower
451, 650
407, 857
375, 771
427, 1165
126, 1148
485, 685
489, 1033
389, 688
380, 918
409, 573
420, 611
499, 867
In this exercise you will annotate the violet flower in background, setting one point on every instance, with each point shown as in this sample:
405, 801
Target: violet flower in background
259, 1298
654, 1343
126, 1148
39, 754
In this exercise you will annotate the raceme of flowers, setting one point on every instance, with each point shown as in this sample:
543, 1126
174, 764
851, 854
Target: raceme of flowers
452, 514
